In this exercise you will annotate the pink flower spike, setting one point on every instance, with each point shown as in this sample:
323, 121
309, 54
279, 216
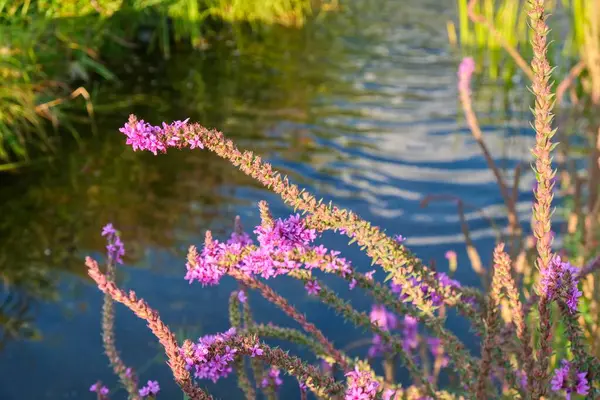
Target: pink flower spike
465, 72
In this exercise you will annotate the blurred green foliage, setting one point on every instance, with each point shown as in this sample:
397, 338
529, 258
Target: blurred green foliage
574, 25
53, 51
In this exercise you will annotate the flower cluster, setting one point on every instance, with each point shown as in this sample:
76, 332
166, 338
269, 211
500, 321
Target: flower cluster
409, 329
115, 247
143, 136
361, 385
151, 389
566, 380
283, 246
410, 333
400, 239
101, 390
386, 321
378, 347
204, 267
559, 279
383, 318
285, 235
313, 288
207, 364
445, 283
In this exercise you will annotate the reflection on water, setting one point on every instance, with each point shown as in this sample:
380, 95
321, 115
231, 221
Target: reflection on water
360, 108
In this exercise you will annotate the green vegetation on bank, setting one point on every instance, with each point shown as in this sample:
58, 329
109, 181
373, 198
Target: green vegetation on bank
576, 32
54, 53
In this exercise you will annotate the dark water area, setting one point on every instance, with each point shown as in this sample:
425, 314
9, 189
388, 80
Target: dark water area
359, 108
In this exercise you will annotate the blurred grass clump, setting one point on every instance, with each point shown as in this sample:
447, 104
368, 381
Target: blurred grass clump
53, 51
496, 34
487, 27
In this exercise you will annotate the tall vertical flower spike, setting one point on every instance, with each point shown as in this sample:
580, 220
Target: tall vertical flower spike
159, 329
115, 250
492, 323
465, 73
502, 269
544, 174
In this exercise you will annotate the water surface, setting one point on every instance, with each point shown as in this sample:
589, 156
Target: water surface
359, 108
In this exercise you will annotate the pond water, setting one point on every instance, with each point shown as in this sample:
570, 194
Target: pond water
359, 107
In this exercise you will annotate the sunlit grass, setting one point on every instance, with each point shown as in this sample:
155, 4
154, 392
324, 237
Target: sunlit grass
509, 17
53, 47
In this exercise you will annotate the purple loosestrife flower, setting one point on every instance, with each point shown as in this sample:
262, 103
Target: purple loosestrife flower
383, 318
115, 247
388, 393
378, 347
410, 331
302, 386
560, 278
211, 366
436, 349
256, 351
313, 288
522, 376
143, 136
445, 280
151, 389
242, 296
583, 386
400, 239
397, 289
361, 385
281, 249
352, 284
286, 235
101, 390
277, 243
561, 375
564, 380
243, 239
108, 230
273, 379
429, 294
205, 268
